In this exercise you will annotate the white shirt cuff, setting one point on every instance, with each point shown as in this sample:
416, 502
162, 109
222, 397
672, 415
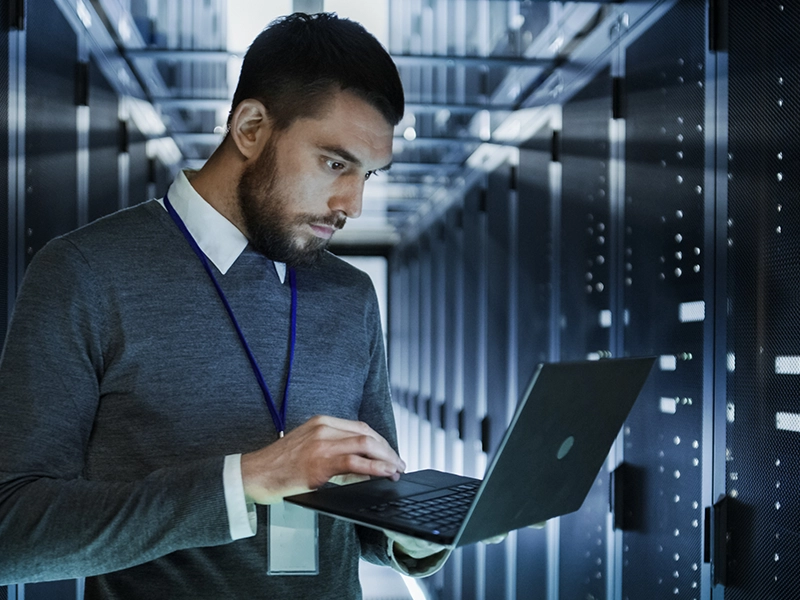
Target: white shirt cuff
429, 557
241, 514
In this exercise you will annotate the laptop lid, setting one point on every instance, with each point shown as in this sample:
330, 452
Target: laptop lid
544, 466
558, 440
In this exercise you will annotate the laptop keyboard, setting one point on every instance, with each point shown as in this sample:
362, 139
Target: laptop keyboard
442, 510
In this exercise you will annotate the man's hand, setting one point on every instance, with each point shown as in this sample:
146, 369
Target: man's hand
309, 456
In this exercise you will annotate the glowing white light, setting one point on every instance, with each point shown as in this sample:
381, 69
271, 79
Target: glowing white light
484, 125
84, 15
786, 421
246, 19
410, 134
787, 365
668, 405
668, 362
692, 311
416, 591
124, 30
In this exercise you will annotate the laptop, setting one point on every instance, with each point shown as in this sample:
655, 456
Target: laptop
548, 459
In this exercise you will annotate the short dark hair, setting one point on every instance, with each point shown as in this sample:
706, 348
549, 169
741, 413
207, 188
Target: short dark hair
293, 64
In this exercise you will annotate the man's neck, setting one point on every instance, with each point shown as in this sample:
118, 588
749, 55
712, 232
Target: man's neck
216, 182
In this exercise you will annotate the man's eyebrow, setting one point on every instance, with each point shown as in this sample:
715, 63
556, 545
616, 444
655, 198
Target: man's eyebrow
342, 153
349, 156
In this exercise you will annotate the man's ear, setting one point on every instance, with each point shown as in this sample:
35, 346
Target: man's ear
250, 127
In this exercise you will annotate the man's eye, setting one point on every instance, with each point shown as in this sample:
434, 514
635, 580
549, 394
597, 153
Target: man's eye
370, 174
335, 165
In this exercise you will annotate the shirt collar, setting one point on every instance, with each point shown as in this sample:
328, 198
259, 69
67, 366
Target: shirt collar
218, 238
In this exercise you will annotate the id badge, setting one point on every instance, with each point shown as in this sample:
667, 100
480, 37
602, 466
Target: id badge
292, 547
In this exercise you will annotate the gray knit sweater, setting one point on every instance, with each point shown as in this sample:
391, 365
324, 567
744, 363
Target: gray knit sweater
122, 387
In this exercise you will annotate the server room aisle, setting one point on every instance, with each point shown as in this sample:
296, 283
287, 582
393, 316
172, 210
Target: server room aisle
380, 583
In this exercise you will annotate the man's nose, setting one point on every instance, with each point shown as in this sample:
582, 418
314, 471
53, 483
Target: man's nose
349, 198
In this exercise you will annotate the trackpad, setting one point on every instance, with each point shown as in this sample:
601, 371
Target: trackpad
386, 490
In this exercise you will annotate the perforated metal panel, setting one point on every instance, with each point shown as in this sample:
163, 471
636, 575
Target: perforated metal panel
664, 304
763, 384
585, 258
51, 127
103, 145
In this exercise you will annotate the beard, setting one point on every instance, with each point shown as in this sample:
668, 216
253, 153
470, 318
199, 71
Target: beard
271, 229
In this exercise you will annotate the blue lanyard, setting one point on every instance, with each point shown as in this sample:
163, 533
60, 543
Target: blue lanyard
278, 418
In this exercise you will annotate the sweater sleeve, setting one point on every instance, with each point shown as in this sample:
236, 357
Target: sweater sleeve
54, 521
376, 411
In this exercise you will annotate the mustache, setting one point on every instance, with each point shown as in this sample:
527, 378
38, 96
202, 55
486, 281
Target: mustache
337, 221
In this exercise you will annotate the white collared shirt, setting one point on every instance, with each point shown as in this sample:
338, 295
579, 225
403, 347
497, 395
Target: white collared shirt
222, 242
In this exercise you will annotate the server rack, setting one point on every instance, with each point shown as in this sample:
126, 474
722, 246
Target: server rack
471, 291
657, 217
664, 303
761, 364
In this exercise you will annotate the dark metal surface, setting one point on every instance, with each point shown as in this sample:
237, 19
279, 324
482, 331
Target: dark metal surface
499, 264
51, 590
454, 355
534, 237
534, 255
474, 327
51, 128
664, 248
6, 252
585, 238
763, 462
139, 169
103, 145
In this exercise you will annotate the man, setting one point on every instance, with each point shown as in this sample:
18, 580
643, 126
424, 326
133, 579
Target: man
153, 353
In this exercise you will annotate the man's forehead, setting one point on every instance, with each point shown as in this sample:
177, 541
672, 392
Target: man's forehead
354, 130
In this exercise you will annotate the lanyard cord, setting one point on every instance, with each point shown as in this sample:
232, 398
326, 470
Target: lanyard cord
279, 419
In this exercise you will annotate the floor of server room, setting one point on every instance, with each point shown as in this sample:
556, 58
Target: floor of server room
383, 583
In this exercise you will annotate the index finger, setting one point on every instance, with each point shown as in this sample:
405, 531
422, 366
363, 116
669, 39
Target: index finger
358, 427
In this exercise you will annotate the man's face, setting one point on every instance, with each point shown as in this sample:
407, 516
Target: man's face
310, 177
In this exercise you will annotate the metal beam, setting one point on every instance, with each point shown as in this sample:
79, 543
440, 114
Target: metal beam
401, 60
398, 168
216, 138
178, 55
433, 60
438, 141
225, 103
